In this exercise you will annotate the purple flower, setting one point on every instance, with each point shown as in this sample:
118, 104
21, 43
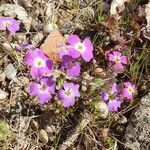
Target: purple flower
24, 45
129, 90
117, 61
78, 48
72, 67
10, 24
43, 90
63, 52
39, 62
115, 104
68, 94
114, 101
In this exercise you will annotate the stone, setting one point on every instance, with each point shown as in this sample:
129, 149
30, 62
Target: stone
50, 129
137, 134
10, 71
3, 94
43, 136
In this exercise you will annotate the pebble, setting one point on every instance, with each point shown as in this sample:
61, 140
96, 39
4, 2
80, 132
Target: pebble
43, 136
10, 71
3, 94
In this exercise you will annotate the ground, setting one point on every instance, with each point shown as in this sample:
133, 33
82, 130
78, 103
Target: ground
88, 125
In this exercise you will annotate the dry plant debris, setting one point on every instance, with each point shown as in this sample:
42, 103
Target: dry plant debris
71, 72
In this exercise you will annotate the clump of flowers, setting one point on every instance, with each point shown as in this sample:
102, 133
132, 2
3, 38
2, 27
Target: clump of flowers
113, 98
68, 94
40, 64
117, 61
42, 90
9, 24
116, 96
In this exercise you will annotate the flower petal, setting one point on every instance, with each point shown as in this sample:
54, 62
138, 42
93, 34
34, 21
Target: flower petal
105, 96
34, 89
117, 68
127, 84
68, 102
29, 58
74, 53
126, 94
111, 57
116, 53
49, 83
87, 43
49, 65
114, 105
44, 97
114, 88
76, 90
14, 27
87, 55
124, 59
73, 39
37, 72
74, 71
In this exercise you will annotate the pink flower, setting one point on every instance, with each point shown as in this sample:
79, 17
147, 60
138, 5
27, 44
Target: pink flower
24, 46
129, 90
115, 104
72, 67
78, 48
112, 97
117, 61
43, 90
39, 62
68, 94
9, 24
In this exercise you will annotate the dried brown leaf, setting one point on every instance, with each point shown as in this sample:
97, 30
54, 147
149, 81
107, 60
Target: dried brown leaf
111, 22
53, 44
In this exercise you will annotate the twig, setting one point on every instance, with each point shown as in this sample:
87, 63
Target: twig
71, 139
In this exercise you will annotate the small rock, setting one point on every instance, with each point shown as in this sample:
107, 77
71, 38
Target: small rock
3, 94
37, 38
49, 27
50, 129
10, 71
137, 132
43, 136
99, 72
102, 108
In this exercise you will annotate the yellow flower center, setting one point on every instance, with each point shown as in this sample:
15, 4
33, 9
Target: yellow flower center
68, 92
43, 88
39, 62
7, 23
130, 90
80, 47
117, 59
